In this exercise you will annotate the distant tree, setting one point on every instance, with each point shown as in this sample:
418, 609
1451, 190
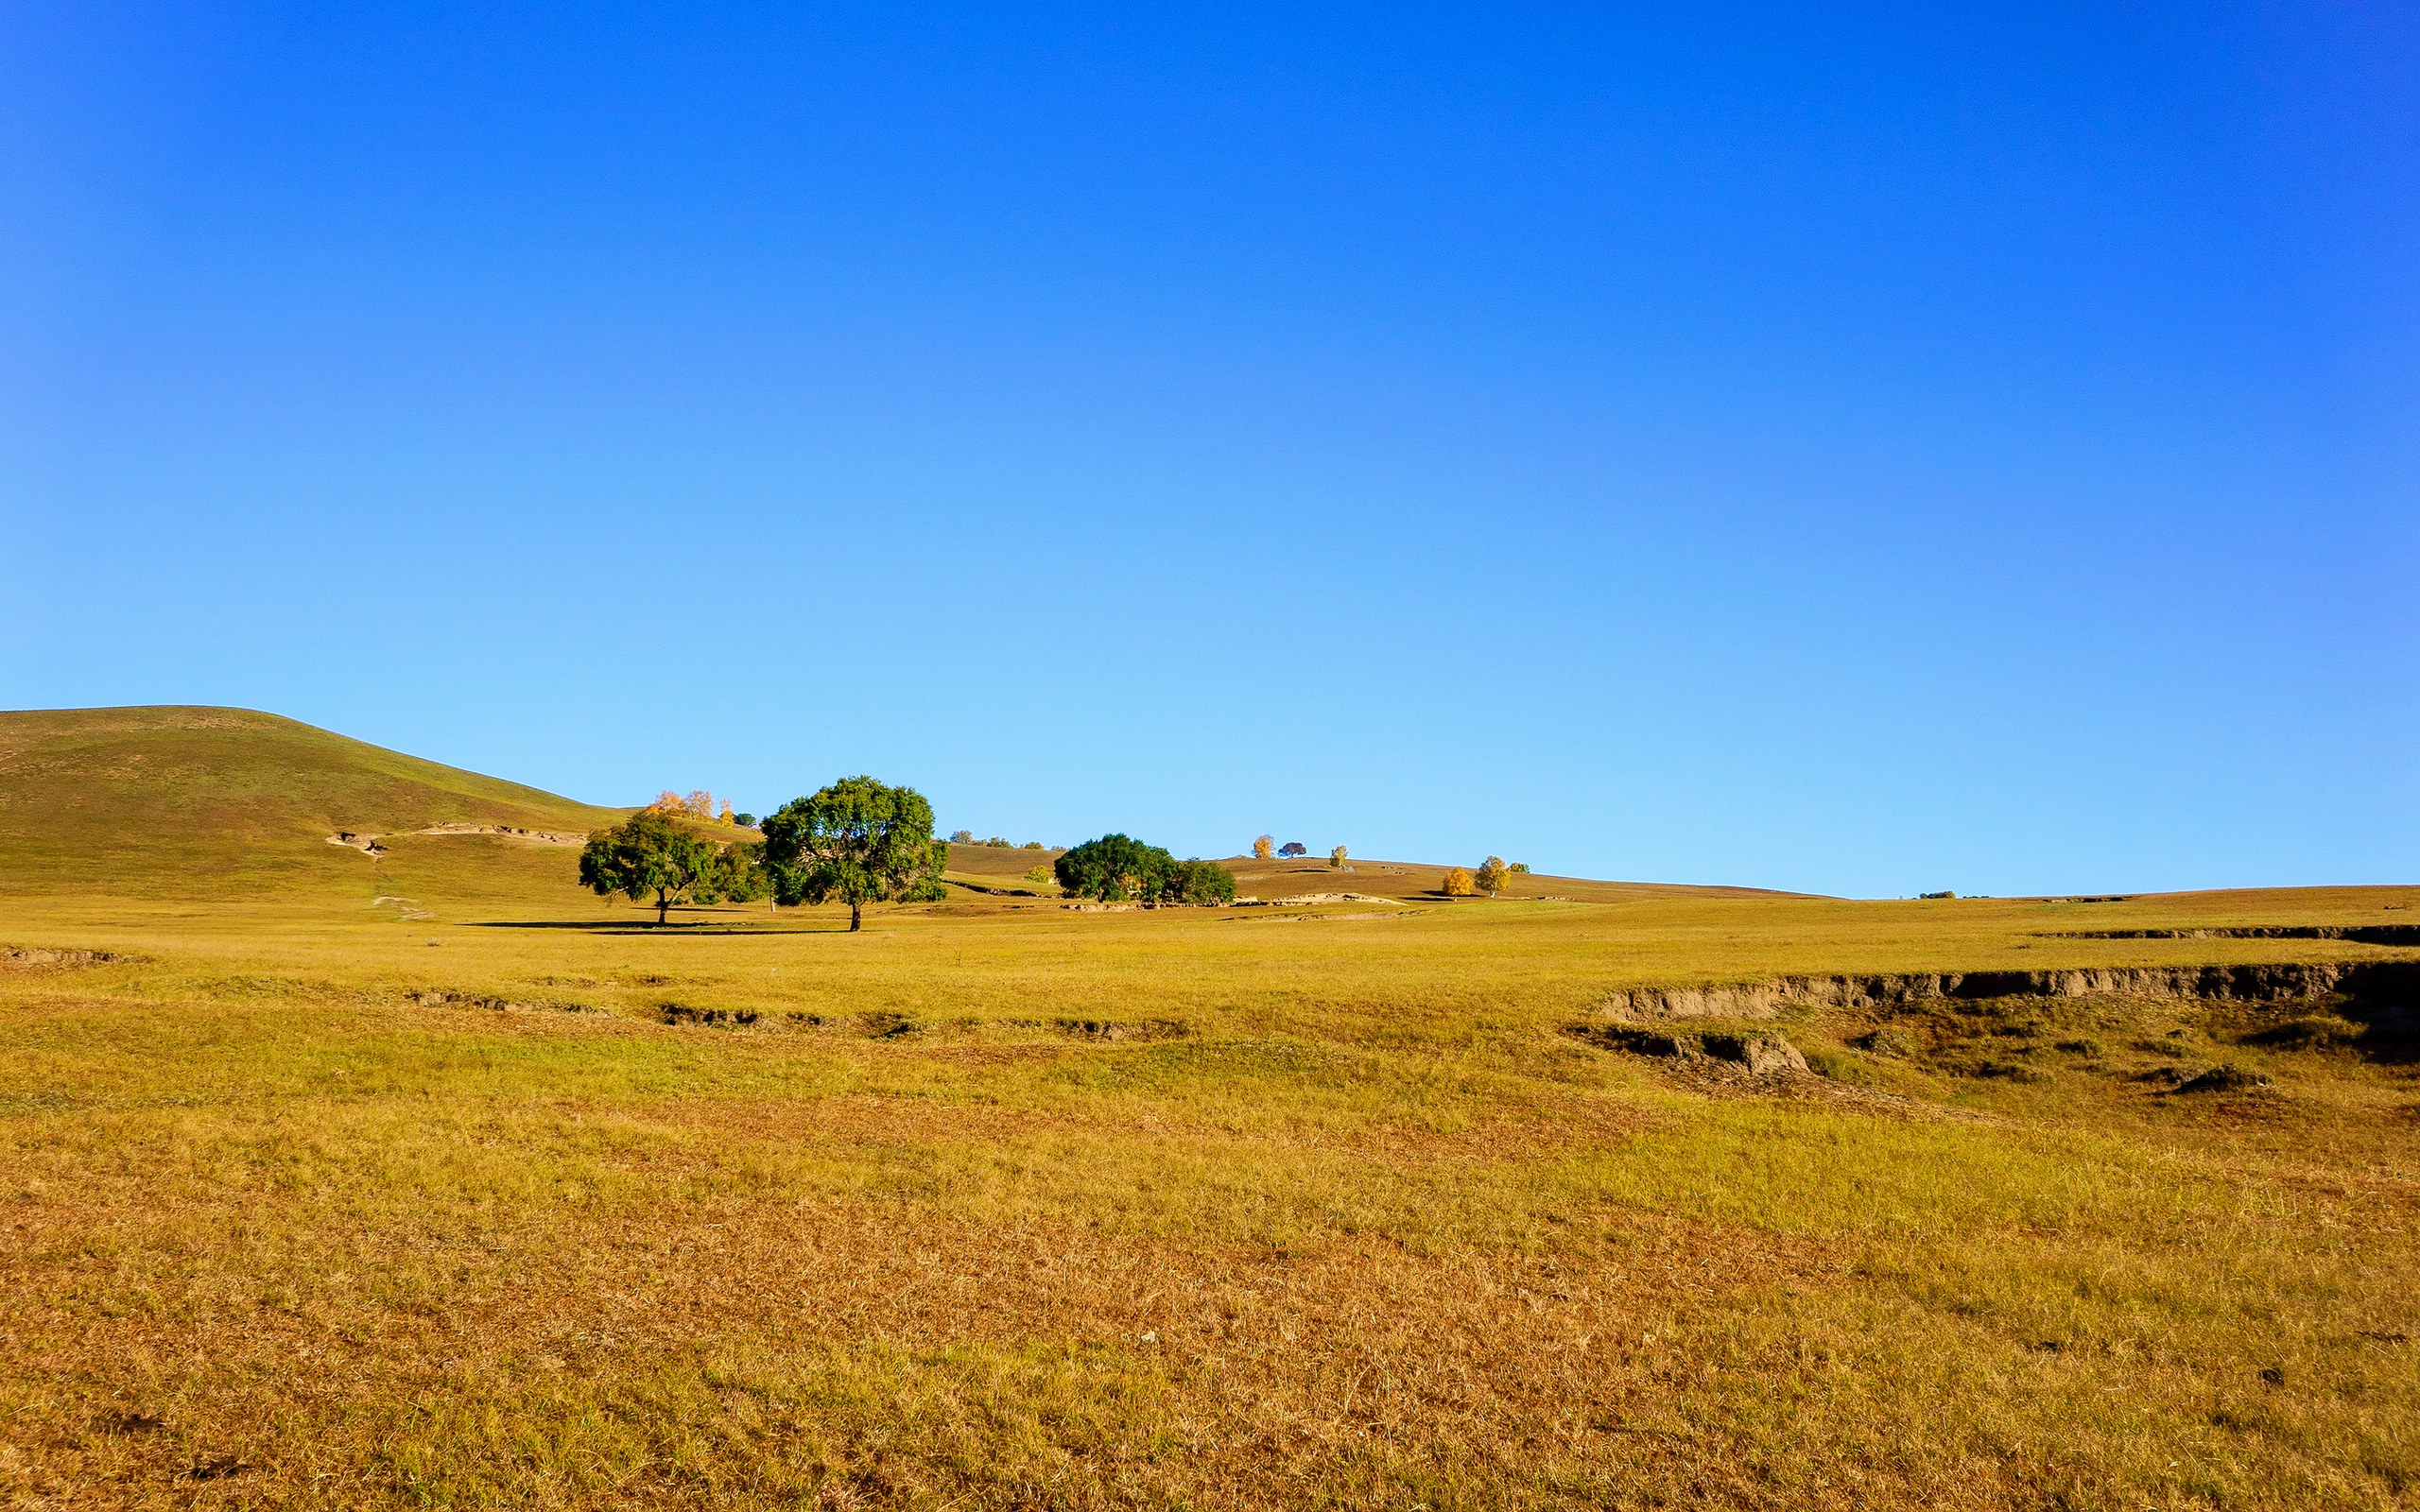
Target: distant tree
746, 821
737, 875
1335, 859
1115, 868
996, 843
855, 842
1520, 868
1264, 847
1457, 882
726, 813
699, 804
962, 836
1038, 873
1199, 881
1293, 848
1490, 875
1035, 845
668, 803
647, 854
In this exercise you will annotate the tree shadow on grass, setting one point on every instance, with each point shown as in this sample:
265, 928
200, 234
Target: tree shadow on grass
617, 926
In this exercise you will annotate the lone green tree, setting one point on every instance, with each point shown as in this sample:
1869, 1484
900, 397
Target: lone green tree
857, 842
1113, 869
1117, 867
649, 853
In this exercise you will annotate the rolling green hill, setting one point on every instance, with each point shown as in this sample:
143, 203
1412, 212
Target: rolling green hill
207, 801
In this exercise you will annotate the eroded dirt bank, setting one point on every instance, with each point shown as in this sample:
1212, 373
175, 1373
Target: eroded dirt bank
2358, 933
2396, 981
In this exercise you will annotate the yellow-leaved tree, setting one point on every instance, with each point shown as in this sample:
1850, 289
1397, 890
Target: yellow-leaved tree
1458, 882
1264, 847
1491, 876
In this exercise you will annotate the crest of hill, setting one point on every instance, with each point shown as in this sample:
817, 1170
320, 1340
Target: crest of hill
1280, 878
202, 799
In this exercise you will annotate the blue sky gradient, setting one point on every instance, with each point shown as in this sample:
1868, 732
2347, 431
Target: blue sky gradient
1865, 453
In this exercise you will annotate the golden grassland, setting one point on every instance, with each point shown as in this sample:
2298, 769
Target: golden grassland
494, 1196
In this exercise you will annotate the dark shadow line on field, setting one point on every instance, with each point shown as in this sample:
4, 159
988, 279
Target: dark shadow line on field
618, 928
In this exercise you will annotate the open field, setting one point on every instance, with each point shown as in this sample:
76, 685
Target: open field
433, 1180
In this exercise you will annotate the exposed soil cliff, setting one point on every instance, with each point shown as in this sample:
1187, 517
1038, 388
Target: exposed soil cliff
2395, 981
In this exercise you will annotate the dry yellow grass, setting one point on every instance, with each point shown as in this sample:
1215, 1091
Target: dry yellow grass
520, 1203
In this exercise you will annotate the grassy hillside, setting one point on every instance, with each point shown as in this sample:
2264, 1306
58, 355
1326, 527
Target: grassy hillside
1293, 877
212, 801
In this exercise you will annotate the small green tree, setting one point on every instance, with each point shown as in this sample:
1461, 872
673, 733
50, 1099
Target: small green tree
1200, 882
647, 853
858, 841
1490, 876
737, 875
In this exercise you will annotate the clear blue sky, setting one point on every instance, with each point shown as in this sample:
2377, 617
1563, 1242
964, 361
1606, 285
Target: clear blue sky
1865, 452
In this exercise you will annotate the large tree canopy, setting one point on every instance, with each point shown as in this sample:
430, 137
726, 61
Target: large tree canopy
1113, 869
1117, 867
649, 854
856, 842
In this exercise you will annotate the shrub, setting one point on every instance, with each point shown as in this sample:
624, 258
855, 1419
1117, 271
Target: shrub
1458, 882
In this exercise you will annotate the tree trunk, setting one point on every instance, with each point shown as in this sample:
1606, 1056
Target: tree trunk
663, 906
857, 917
